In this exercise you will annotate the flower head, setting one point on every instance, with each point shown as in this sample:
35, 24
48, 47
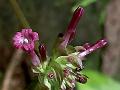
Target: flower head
25, 39
63, 69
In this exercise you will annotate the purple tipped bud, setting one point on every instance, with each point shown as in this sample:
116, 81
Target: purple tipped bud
70, 33
42, 50
97, 45
81, 79
66, 72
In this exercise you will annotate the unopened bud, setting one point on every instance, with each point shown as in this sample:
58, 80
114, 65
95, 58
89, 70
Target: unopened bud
81, 79
42, 50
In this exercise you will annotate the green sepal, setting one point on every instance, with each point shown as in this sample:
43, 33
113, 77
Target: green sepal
59, 71
70, 49
42, 85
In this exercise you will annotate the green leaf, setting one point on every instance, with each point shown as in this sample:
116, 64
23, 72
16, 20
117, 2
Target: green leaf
62, 60
98, 81
102, 17
36, 85
65, 62
46, 82
58, 69
85, 3
70, 49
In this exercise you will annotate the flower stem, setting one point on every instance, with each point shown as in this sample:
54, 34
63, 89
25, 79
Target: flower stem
19, 14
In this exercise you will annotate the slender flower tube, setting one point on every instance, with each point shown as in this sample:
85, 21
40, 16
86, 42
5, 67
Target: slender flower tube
42, 50
35, 58
97, 45
70, 33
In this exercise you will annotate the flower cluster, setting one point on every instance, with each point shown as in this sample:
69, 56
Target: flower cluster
62, 69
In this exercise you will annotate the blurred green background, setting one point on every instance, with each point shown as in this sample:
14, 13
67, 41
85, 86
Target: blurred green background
50, 17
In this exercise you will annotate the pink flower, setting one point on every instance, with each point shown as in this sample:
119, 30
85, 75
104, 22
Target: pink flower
70, 33
25, 39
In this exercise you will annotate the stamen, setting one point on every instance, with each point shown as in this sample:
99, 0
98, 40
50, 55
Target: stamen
25, 40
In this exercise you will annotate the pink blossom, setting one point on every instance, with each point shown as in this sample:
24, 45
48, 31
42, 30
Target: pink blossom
25, 39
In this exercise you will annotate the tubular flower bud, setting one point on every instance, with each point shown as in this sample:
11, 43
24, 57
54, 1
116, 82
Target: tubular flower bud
81, 79
99, 44
70, 33
42, 50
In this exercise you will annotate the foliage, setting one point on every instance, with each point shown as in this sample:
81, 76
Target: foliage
83, 3
98, 81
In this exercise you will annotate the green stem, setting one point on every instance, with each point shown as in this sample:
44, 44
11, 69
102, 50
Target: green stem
19, 14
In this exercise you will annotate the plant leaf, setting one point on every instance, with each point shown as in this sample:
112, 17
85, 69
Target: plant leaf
98, 81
